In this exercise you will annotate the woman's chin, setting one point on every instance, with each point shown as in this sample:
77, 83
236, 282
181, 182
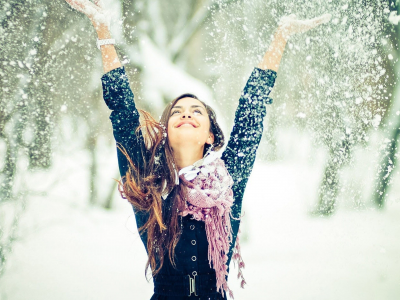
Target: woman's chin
187, 139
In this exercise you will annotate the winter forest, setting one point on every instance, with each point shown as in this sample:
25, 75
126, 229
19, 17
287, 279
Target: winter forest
322, 206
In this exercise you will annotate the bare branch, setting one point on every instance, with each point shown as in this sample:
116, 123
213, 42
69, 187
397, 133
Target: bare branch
159, 32
187, 33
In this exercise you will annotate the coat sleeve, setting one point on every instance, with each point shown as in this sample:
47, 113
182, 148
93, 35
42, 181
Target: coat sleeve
240, 153
124, 117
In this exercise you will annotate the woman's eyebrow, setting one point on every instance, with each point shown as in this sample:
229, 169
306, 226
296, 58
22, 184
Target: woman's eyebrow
192, 106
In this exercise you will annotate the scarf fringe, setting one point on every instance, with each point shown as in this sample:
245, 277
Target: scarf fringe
238, 257
213, 206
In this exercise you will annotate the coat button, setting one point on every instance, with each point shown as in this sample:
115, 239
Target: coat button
193, 242
191, 227
194, 258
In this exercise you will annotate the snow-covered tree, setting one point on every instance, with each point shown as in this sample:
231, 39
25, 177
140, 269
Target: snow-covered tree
391, 122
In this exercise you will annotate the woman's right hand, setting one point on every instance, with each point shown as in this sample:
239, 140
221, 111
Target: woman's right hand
290, 25
100, 19
95, 11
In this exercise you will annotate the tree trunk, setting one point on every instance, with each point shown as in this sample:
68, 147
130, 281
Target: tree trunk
40, 92
92, 142
109, 199
329, 189
339, 155
12, 85
389, 159
9, 170
391, 127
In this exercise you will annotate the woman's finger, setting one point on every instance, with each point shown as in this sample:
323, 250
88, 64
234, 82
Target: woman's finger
291, 25
84, 6
287, 19
99, 3
323, 19
309, 24
76, 5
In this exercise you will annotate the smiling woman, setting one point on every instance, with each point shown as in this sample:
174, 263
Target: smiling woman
192, 129
188, 220
186, 195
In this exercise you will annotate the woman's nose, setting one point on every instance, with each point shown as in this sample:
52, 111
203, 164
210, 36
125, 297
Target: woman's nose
186, 115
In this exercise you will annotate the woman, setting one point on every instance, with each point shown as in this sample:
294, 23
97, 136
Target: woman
186, 197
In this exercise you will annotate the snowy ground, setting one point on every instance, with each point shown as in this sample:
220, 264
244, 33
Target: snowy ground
72, 252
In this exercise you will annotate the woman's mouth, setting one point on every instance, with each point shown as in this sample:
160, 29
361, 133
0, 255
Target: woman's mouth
186, 123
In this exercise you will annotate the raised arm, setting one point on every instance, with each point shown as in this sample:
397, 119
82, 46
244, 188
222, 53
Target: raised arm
247, 131
288, 26
240, 152
100, 19
117, 95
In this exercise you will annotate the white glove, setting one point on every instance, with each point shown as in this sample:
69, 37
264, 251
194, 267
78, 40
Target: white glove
291, 25
93, 10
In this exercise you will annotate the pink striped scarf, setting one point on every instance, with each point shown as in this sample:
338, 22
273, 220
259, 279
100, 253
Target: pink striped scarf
209, 198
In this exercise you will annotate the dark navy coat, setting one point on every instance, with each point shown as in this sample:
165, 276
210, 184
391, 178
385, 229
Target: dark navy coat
239, 157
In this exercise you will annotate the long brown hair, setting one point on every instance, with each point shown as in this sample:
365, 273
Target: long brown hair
144, 185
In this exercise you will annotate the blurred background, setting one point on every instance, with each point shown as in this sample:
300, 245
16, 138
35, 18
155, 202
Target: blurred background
322, 207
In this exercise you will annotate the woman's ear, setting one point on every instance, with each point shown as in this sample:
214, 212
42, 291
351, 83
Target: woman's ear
210, 139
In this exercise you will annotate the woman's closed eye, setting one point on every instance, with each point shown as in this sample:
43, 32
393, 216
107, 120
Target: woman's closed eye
173, 112
196, 111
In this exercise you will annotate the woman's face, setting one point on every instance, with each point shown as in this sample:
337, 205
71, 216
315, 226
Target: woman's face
189, 124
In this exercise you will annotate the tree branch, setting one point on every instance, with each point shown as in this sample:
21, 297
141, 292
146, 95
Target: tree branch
187, 33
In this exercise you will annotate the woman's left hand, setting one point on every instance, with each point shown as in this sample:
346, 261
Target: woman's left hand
290, 25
